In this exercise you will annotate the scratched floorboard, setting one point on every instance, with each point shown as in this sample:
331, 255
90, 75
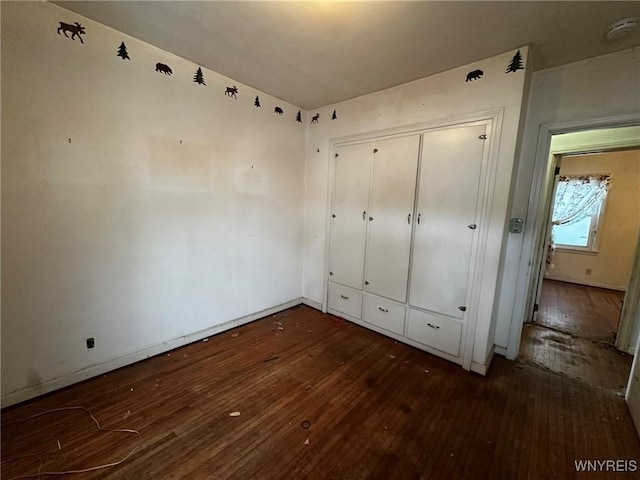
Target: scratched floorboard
378, 409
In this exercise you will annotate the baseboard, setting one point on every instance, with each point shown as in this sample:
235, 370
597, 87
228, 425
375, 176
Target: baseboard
312, 303
587, 283
482, 369
500, 350
30, 392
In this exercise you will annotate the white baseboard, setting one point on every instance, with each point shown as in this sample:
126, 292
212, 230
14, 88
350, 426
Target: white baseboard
61, 382
588, 283
500, 350
482, 369
312, 303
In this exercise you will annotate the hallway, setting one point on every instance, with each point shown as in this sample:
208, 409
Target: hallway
574, 335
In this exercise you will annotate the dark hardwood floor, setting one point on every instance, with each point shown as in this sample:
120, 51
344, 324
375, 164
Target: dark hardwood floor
587, 312
376, 409
575, 333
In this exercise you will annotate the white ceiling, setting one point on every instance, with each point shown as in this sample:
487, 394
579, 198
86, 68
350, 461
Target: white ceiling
315, 53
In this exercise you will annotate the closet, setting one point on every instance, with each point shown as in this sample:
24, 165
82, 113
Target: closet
404, 231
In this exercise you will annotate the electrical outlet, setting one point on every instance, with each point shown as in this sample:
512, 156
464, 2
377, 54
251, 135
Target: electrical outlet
91, 342
587, 271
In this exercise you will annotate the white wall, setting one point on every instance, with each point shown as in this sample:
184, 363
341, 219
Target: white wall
433, 100
593, 91
610, 266
172, 208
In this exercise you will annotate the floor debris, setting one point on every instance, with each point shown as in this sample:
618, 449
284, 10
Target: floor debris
270, 359
234, 414
234, 335
308, 387
59, 447
306, 442
426, 371
392, 356
126, 415
205, 340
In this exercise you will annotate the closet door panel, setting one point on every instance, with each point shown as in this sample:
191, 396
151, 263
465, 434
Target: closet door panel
349, 214
451, 162
395, 165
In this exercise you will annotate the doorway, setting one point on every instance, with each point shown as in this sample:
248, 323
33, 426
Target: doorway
584, 274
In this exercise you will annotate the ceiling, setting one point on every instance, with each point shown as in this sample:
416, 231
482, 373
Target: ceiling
315, 53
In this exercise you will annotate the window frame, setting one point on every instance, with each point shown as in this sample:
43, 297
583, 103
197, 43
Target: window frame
593, 240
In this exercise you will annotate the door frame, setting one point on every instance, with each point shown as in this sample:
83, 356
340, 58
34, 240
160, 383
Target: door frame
537, 212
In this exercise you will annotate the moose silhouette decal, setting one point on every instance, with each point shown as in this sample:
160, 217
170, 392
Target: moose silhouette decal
278, 110
76, 30
315, 118
232, 92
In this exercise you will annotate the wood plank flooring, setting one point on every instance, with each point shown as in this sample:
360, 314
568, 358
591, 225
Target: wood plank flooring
574, 335
377, 409
581, 310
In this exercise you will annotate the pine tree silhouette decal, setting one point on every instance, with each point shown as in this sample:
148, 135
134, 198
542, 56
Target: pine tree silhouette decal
334, 116
299, 117
122, 52
198, 77
515, 64
257, 102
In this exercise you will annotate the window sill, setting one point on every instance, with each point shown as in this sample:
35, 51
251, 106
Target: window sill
579, 251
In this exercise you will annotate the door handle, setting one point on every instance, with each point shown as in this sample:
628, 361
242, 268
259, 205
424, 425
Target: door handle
345, 297
433, 326
383, 310
364, 214
419, 215
409, 219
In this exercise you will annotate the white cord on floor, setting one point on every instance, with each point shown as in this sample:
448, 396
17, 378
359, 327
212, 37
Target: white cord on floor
83, 470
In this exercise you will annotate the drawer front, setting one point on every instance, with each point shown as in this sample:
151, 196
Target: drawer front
434, 331
384, 314
345, 300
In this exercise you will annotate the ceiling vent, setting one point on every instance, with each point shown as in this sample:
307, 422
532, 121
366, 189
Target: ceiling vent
622, 28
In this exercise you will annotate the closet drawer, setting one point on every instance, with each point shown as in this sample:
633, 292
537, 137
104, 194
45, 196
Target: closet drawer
434, 331
384, 314
345, 300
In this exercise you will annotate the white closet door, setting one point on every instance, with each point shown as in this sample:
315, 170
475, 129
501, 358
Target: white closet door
450, 167
349, 214
395, 164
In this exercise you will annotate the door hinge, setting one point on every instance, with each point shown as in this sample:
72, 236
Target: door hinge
483, 136
536, 307
557, 171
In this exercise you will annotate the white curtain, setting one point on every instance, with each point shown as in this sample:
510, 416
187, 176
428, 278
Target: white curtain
576, 197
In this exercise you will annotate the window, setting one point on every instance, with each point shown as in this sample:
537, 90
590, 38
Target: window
577, 211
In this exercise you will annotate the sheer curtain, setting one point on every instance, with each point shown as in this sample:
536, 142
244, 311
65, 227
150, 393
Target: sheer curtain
577, 197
